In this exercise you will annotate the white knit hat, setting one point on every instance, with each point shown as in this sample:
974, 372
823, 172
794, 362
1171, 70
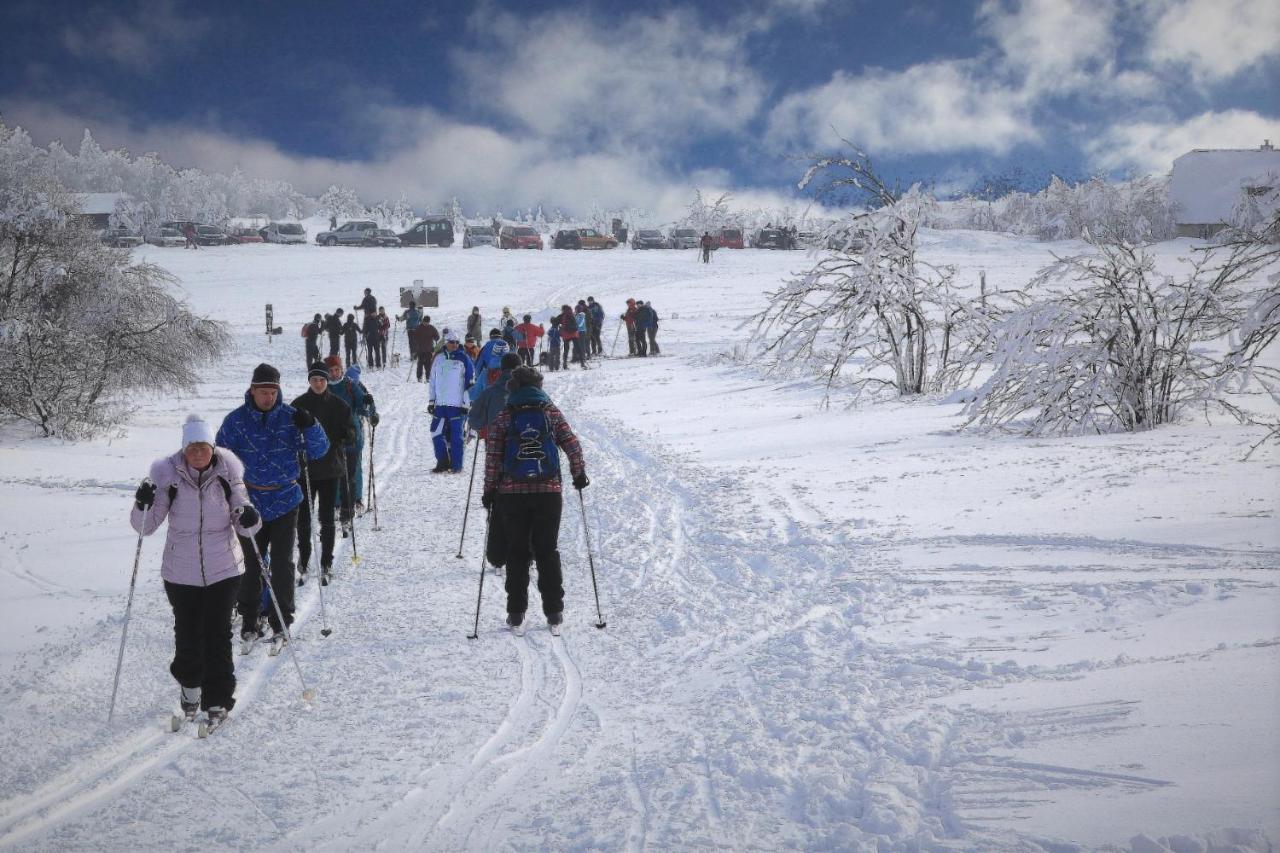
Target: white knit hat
196, 431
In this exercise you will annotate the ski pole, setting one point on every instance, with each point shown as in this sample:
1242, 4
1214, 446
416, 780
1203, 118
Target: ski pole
613, 349
475, 455
128, 609
488, 515
325, 630
587, 537
373, 483
351, 499
307, 693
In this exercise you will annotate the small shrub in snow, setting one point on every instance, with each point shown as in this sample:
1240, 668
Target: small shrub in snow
872, 304
1115, 345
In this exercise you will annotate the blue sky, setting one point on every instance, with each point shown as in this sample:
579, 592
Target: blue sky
566, 104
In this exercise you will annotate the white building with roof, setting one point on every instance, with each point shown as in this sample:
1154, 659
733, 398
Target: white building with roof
1208, 185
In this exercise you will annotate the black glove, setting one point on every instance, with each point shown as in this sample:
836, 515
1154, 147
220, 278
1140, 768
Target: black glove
374, 419
580, 481
145, 497
465, 409
431, 408
486, 500
247, 516
303, 419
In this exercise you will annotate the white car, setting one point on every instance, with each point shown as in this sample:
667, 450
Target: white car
168, 237
478, 235
283, 232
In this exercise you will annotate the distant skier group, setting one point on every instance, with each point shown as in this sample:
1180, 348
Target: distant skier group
240, 500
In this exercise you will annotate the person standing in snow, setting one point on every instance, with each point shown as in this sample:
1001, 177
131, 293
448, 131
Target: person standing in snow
268, 437
583, 324
486, 409
350, 340
568, 333
411, 316
384, 333
707, 244
333, 325
372, 340
646, 329
422, 347
629, 319
529, 333
312, 334
349, 389
475, 324
200, 491
452, 375
595, 313
368, 305
553, 343
489, 361
522, 483
326, 473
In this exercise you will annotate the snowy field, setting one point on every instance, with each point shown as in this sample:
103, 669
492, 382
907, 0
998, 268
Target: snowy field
827, 630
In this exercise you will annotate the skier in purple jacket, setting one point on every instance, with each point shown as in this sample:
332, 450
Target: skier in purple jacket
200, 491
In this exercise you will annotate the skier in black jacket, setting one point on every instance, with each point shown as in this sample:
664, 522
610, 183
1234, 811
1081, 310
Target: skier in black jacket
368, 305
372, 340
333, 325
312, 334
325, 473
351, 340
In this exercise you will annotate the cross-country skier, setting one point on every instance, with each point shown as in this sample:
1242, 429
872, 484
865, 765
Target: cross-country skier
350, 390
333, 325
629, 318
489, 361
384, 335
372, 341
452, 375
529, 332
369, 304
325, 474
553, 343
568, 333
647, 327
268, 436
595, 313
707, 243
312, 334
200, 490
422, 347
522, 482
350, 340
411, 316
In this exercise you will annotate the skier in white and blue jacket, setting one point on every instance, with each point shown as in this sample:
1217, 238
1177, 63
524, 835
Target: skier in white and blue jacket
452, 375
267, 435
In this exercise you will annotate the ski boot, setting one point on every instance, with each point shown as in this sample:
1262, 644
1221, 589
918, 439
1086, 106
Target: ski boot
554, 621
278, 640
189, 702
213, 719
515, 621
326, 573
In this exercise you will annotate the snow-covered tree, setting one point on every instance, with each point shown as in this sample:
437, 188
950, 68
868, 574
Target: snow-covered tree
706, 215
873, 305
82, 330
341, 202
1113, 344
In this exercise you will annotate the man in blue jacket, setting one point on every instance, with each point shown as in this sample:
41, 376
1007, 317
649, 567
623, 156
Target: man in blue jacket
268, 435
489, 361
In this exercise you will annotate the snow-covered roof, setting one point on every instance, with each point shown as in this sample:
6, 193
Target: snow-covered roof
1206, 183
96, 204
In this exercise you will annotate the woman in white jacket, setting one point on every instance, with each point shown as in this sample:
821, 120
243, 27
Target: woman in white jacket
200, 490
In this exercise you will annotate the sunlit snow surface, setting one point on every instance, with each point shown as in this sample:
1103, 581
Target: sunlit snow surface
827, 629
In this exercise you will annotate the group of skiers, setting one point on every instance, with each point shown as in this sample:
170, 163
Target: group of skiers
373, 330
239, 501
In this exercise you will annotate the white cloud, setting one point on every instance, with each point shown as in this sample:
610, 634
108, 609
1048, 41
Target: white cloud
1053, 45
138, 38
1216, 39
639, 82
927, 108
1150, 147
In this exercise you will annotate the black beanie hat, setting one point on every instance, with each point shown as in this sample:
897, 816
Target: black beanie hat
317, 368
524, 376
510, 361
265, 374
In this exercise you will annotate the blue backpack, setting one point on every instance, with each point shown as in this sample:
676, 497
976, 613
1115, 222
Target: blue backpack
531, 454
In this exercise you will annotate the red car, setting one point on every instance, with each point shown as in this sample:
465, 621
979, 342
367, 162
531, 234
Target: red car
729, 238
518, 237
244, 235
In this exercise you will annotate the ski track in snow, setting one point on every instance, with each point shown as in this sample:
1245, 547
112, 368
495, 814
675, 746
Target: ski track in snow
773, 676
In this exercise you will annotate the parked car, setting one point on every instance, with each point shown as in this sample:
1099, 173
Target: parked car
120, 238
351, 233
684, 238
245, 235
283, 232
211, 235
772, 238
728, 238
168, 237
381, 237
478, 235
584, 238
648, 238
518, 237
432, 231
566, 238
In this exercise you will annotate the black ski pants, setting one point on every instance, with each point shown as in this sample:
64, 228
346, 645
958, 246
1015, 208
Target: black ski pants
533, 519
373, 348
597, 347
275, 544
631, 341
653, 340
351, 352
382, 351
313, 354
324, 493
642, 347
333, 343
423, 370
202, 639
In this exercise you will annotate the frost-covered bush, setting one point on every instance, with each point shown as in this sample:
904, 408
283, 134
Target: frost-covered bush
82, 331
1137, 211
872, 304
1112, 344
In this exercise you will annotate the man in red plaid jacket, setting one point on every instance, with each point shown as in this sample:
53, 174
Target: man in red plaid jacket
522, 482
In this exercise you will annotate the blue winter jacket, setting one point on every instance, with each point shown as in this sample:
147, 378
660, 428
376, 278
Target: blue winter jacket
490, 358
489, 403
352, 391
268, 444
